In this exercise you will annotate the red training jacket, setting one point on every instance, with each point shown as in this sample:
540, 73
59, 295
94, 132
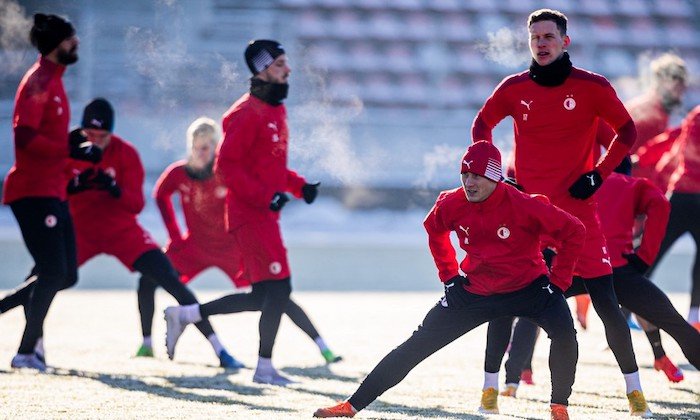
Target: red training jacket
621, 199
41, 105
686, 178
96, 212
555, 130
501, 238
252, 160
649, 116
658, 159
202, 202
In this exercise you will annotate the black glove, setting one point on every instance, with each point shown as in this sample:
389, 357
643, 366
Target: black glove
82, 149
548, 255
456, 281
586, 185
455, 293
80, 182
103, 181
310, 191
513, 183
636, 262
278, 201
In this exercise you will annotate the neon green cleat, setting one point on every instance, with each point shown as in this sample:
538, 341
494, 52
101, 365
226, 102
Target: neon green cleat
330, 356
144, 351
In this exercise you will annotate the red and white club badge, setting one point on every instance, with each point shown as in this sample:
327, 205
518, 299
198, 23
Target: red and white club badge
569, 103
503, 232
51, 221
275, 268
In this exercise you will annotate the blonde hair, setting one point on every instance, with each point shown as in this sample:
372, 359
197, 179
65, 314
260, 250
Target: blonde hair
202, 126
669, 66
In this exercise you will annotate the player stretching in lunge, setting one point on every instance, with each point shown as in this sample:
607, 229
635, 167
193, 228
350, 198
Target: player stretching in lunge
499, 228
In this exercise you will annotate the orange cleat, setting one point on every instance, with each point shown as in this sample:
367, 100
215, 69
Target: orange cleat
638, 405
696, 325
582, 304
510, 391
559, 412
666, 365
343, 409
489, 401
526, 377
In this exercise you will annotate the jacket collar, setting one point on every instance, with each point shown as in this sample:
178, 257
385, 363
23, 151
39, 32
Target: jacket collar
51, 66
492, 202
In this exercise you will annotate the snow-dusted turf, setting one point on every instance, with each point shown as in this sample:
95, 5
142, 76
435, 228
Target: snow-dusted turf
91, 336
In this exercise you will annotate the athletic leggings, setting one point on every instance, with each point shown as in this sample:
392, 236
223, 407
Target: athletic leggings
635, 292
605, 303
524, 331
158, 269
458, 313
146, 297
47, 230
683, 218
271, 298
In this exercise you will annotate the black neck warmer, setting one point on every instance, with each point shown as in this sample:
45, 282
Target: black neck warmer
200, 174
553, 74
272, 93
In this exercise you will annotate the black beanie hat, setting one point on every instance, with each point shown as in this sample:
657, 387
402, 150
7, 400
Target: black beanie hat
261, 53
48, 31
98, 114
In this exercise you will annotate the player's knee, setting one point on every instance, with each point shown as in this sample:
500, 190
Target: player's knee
145, 285
58, 278
54, 282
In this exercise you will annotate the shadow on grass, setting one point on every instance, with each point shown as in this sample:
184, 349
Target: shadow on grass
172, 387
380, 407
687, 366
320, 372
685, 407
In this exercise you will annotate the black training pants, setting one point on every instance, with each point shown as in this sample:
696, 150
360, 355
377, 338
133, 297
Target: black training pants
683, 218
634, 291
239, 302
47, 230
270, 297
158, 269
458, 312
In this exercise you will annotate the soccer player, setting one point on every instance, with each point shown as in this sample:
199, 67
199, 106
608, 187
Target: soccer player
252, 163
556, 109
35, 186
684, 191
104, 201
622, 198
205, 243
651, 110
499, 228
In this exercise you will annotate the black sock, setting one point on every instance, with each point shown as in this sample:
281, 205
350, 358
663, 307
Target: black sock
655, 341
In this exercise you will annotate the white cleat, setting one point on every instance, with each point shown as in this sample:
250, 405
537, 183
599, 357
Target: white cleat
271, 378
28, 361
174, 328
